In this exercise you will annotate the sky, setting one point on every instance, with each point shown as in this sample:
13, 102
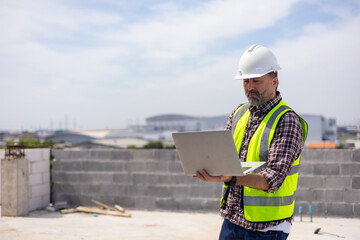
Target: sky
108, 64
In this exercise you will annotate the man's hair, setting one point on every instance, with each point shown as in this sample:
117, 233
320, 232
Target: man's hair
273, 74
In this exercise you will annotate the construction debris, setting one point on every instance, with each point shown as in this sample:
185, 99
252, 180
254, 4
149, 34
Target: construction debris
102, 209
317, 231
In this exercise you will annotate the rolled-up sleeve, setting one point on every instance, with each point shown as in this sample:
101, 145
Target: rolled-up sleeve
284, 150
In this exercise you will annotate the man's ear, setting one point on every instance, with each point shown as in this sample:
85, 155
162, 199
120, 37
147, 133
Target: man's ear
275, 82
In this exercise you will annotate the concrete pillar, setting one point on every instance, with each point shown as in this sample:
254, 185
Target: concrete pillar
14, 187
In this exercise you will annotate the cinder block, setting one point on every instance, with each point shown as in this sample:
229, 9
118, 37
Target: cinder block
115, 166
157, 191
333, 196
72, 165
311, 155
356, 210
136, 190
147, 203
91, 189
121, 154
351, 196
175, 166
135, 166
151, 179
142, 154
180, 178
350, 168
123, 178
204, 192
60, 154
303, 194
112, 190
192, 204
39, 190
306, 168
97, 178
2, 153
125, 201
35, 179
318, 195
211, 204
157, 166
327, 169
33, 155
339, 209
180, 191
337, 155
164, 154
79, 200
99, 154
176, 156
40, 167
35, 203
94, 165
334, 182
167, 204
58, 176
356, 155
57, 165
46, 154
355, 182
79, 154
311, 182
66, 188
46, 177
45, 200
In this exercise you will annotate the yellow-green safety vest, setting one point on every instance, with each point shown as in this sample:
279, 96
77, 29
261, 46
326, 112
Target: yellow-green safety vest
261, 206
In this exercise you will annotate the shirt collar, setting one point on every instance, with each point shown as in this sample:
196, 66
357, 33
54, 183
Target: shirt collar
266, 107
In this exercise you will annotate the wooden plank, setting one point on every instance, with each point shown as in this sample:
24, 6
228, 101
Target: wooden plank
119, 208
69, 210
103, 205
101, 211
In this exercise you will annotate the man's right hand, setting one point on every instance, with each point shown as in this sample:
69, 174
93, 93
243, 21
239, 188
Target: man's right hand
204, 176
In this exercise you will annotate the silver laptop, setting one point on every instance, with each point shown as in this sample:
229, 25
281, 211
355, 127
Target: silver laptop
213, 151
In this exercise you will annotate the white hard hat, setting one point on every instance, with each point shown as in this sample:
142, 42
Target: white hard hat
256, 62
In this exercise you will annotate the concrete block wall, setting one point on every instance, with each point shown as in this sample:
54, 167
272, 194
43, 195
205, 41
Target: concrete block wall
141, 179
153, 179
39, 177
329, 180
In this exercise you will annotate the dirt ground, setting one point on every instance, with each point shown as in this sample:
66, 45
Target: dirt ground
152, 225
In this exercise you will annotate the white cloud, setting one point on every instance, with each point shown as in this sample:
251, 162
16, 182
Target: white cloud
175, 34
103, 69
320, 69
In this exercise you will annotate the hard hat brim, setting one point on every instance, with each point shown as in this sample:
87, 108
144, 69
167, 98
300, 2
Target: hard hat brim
253, 75
247, 76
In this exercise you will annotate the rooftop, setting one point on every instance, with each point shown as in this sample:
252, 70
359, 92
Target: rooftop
151, 225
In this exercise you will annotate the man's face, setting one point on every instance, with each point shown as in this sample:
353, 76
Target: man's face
260, 90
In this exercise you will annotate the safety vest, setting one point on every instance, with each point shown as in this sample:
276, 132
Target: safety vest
261, 206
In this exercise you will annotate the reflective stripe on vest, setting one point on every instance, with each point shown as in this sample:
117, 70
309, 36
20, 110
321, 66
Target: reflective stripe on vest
260, 206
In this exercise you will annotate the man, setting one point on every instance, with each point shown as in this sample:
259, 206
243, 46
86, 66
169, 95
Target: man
261, 205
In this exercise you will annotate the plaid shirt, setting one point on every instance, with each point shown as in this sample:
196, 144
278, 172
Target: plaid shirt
284, 150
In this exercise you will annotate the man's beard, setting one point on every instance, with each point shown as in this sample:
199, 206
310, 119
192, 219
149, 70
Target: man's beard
254, 101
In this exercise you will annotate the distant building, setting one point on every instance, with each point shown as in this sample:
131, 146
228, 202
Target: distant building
320, 129
85, 139
160, 127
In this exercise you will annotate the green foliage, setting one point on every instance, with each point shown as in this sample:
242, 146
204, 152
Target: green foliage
28, 141
131, 147
154, 145
170, 147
